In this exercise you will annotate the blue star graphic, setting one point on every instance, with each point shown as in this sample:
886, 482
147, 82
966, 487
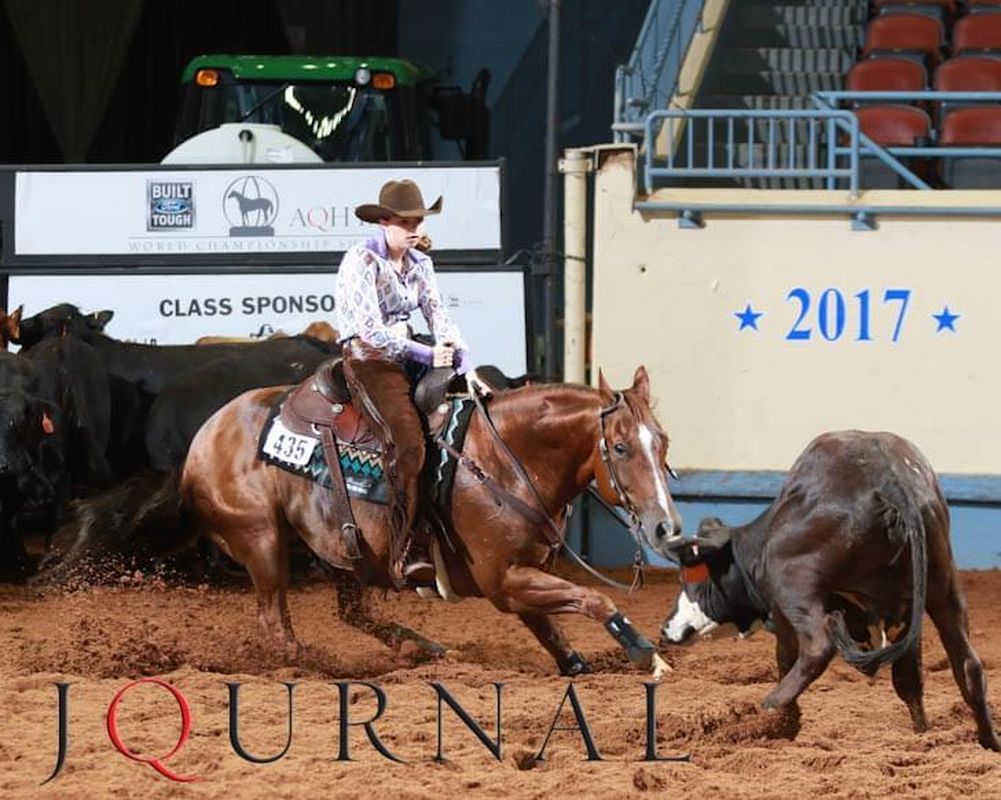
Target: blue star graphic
945, 320
748, 318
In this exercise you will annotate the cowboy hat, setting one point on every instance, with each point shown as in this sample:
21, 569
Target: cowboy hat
397, 199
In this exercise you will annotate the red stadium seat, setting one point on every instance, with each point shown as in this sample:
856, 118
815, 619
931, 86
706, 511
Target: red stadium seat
976, 33
906, 35
969, 74
939, 9
966, 74
887, 75
894, 126
983, 6
972, 127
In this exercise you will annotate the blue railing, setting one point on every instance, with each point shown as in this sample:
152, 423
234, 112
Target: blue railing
693, 149
824, 143
650, 78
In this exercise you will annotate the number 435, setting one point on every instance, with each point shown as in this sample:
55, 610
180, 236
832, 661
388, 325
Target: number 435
832, 311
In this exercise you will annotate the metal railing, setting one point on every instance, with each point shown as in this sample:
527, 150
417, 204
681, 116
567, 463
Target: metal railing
650, 78
824, 143
725, 143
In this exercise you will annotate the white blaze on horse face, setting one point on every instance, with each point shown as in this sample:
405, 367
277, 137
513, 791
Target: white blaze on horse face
687, 619
659, 473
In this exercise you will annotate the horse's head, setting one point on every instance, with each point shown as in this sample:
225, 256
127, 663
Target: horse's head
633, 455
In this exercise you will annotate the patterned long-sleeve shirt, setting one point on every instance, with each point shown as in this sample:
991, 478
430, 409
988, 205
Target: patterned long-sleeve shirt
374, 301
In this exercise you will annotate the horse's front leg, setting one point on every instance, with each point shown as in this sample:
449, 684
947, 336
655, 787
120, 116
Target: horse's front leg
530, 591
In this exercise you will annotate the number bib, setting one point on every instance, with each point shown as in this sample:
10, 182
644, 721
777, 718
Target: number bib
289, 448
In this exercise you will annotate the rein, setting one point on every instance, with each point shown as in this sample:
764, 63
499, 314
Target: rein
554, 534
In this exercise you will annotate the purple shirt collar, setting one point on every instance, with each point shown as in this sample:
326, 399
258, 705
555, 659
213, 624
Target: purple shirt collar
377, 244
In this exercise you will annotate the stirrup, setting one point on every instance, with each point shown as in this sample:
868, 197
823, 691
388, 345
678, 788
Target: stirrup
419, 572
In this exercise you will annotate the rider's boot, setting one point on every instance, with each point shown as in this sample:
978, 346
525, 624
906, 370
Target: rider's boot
418, 569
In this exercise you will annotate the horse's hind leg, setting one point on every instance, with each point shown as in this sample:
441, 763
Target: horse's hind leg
265, 555
552, 638
354, 608
949, 616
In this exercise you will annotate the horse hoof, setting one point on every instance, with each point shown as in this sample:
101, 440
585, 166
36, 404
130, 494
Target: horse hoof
575, 665
659, 667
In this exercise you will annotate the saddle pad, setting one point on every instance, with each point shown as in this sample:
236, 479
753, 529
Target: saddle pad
441, 472
303, 455
362, 466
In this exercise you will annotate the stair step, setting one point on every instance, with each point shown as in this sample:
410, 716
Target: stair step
847, 37
780, 83
747, 156
756, 101
814, 16
784, 131
787, 59
861, 6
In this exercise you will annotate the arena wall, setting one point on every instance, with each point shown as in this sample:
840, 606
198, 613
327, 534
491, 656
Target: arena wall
761, 330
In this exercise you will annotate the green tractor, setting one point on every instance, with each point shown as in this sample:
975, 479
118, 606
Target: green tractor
301, 109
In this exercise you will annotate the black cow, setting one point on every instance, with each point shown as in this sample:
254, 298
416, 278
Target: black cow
858, 538
197, 380
151, 367
72, 377
190, 399
32, 448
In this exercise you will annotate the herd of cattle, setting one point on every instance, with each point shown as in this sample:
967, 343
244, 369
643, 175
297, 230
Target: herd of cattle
81, 411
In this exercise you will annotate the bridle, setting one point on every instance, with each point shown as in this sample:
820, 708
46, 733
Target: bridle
635, 523
623, 501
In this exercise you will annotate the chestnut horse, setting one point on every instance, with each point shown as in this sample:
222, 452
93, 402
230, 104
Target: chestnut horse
504, 534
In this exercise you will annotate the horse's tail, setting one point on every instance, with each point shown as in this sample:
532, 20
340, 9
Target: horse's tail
140, 519
905, 525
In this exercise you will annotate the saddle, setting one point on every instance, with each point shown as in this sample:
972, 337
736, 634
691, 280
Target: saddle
322, 402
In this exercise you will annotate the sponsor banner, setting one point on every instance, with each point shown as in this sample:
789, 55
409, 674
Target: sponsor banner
253, 210
489, 307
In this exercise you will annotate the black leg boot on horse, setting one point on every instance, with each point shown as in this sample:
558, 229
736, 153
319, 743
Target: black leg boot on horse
383, 393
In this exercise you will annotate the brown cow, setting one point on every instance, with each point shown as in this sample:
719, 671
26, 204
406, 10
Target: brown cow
323, 331
10, 326
858, 538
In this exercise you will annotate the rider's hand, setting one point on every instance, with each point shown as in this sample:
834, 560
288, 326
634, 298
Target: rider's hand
444, 355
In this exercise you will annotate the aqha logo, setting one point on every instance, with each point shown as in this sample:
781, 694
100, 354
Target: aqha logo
250, 205
171, 205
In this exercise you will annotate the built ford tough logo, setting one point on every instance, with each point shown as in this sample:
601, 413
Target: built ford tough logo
171, 205
250, 204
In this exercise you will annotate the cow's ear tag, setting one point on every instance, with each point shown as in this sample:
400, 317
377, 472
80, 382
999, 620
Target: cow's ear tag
697, 574
47, 424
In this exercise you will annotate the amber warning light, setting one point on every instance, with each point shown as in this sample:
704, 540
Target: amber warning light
383, 80
206, 77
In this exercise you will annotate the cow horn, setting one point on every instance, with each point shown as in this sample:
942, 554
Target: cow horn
682, 549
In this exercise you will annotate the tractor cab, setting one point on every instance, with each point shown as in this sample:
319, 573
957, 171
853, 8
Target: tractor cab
342, 109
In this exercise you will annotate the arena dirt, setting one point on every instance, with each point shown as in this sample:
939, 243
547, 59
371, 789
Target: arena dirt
855, 741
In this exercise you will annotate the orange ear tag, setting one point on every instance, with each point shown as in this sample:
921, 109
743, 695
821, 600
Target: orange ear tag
697, 574
47, 425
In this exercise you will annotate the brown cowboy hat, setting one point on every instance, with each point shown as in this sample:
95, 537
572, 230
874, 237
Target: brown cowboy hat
397, 199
